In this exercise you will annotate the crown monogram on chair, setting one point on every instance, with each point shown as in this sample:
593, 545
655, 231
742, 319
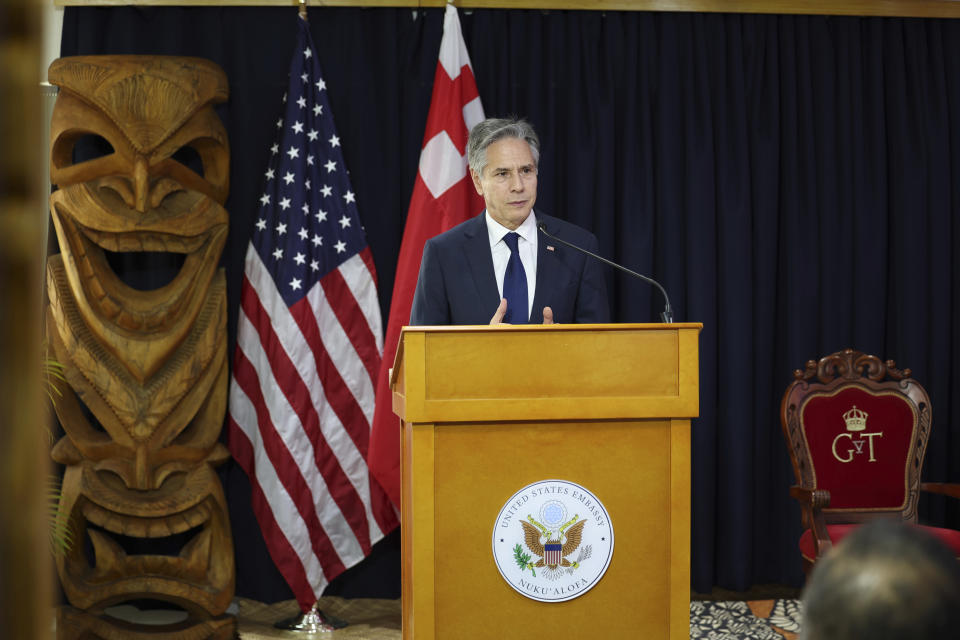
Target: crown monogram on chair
856, 419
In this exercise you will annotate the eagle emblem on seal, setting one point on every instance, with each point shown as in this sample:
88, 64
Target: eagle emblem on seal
552, 539
552, 551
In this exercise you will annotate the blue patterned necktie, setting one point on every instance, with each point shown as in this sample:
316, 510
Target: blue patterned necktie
515, 284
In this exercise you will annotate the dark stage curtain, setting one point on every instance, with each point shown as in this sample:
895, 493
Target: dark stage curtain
791, 180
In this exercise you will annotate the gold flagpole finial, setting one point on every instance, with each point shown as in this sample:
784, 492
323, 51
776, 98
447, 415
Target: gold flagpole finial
302, 9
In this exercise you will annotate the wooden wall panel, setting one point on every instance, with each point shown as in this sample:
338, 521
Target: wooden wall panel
905, 8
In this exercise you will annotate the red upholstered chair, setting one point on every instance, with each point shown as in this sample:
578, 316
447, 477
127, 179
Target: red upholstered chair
857, 429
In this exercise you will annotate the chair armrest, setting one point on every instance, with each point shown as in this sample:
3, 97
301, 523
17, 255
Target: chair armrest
814, 498
944, 488
812, 502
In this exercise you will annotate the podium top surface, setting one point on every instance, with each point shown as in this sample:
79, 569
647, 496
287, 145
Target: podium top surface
546, 372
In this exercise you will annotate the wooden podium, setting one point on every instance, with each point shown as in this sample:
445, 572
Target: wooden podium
488, 410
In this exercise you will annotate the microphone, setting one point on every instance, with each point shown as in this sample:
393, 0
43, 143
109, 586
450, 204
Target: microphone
666, 315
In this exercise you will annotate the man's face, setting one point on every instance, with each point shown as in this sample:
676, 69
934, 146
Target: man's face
509, 181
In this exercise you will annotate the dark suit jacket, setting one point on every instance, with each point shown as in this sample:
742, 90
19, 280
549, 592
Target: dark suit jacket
457, 284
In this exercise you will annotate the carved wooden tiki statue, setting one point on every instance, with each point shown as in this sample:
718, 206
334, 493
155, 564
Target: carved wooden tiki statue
146, 367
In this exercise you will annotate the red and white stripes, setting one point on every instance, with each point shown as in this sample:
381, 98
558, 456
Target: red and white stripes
301, 402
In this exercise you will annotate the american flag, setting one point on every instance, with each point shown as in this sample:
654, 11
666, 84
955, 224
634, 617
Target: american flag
309, 345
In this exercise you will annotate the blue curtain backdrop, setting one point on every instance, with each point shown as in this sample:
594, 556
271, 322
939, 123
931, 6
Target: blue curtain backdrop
791, 180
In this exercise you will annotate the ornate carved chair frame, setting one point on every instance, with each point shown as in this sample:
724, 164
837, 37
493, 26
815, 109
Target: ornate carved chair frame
856, 463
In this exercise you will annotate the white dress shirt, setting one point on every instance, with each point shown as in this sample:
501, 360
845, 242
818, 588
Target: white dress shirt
527, 246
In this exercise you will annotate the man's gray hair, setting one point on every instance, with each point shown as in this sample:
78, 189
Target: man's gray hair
485, 133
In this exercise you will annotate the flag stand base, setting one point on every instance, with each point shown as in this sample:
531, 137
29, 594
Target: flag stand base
312, 621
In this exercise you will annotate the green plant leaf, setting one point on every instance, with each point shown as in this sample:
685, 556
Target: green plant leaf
61, 534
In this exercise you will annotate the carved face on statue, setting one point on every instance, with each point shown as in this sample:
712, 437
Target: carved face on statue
146, 366
138, 197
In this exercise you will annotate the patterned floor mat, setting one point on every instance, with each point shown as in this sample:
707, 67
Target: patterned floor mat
380, 619
736, 620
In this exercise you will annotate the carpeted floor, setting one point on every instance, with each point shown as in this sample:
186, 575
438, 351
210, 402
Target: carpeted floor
745, 620
368, 619
380, 619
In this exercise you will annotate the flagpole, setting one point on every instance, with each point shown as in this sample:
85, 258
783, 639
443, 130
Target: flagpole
314, 620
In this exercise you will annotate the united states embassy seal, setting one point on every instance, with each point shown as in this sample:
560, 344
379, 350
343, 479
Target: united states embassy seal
552, 541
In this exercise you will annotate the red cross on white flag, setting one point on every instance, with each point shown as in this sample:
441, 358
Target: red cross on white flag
443, 197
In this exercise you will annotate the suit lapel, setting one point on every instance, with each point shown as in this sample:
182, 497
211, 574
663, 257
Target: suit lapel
547, 262
477, 249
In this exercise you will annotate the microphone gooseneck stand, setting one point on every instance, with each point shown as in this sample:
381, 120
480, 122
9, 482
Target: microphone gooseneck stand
666, 315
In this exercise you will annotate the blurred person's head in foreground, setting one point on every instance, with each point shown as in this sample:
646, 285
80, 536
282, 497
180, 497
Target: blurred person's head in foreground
885, 581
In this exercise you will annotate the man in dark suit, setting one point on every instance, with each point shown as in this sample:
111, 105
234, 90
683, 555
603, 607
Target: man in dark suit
497, 267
